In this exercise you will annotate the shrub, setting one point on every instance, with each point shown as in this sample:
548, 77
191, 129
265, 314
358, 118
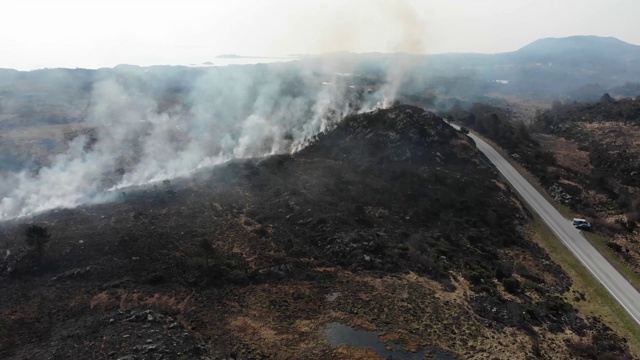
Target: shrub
521, 269
614, 246
478, 275
511, 285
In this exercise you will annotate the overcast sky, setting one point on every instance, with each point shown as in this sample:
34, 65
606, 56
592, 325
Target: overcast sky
37, 33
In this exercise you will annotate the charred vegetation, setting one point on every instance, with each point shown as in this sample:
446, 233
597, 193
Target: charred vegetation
392, 221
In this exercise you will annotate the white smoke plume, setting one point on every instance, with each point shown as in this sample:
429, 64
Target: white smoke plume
228, 113
137, 137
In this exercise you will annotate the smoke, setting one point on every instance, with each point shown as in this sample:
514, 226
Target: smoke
227, 113
361, 26
144, 130
355, 25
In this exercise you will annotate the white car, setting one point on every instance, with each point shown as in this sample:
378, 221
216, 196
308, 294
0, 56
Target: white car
581, 224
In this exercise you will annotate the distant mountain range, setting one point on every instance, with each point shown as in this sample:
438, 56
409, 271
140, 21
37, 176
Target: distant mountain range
549, 66
574, 68
551, 49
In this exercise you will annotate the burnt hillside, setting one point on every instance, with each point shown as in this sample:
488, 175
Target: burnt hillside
392, 221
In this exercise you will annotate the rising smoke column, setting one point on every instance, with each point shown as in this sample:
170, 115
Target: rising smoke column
226, 113
233, 113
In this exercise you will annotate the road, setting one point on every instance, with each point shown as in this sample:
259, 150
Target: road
609, 277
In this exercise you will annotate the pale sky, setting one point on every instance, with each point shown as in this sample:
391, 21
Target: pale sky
64, 33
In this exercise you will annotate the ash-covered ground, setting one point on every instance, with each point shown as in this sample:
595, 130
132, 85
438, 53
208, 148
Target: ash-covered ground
391, 222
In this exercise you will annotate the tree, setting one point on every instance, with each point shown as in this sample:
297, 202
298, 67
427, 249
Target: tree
37, 238
556, 106
491, 125
522, 133
207, 249
606, 98
168, 188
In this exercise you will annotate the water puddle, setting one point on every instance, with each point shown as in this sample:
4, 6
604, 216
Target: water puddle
340, 334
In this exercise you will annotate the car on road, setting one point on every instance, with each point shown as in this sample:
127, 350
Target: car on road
581, 224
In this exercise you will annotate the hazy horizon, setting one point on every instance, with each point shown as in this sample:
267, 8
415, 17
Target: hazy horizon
74, 34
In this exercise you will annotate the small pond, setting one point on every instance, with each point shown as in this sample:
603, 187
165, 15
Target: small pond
340, 334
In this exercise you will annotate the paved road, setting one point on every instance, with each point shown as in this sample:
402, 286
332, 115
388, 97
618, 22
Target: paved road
610, 278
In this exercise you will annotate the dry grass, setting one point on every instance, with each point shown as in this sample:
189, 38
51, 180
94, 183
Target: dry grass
566, 153
352, 353
615, 133
523, 109
248, 328
101, 300
165, 303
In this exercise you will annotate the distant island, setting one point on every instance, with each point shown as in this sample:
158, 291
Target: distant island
236, 56
232, 56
